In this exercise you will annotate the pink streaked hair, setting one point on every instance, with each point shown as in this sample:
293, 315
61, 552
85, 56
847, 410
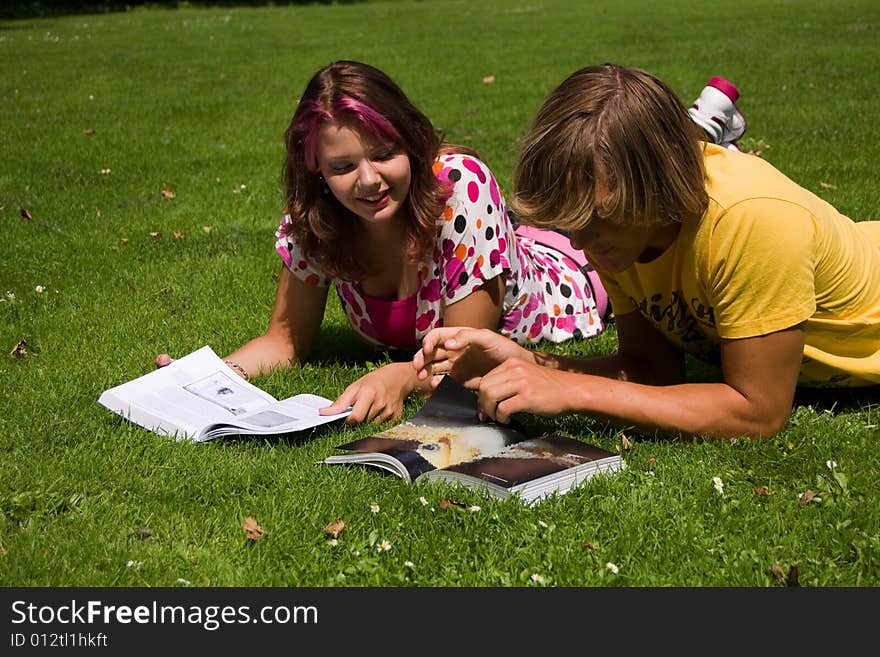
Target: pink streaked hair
314, 114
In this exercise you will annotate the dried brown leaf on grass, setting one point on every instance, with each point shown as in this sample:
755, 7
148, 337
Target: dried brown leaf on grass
167, 193
334, 528
89, 131
763, 491
446, 503
489, 79
789, 579
825, 185
759, 148
178, 235
808, 497
19, 350
252, 529
142, 533
25, 214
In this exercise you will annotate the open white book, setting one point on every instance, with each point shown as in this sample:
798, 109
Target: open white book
198, 397
445, 440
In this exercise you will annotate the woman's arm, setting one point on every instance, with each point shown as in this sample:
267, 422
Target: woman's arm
643, 355
379, 395
293, 327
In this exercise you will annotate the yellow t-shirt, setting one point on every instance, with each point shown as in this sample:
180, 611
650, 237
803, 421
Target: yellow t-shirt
766, 255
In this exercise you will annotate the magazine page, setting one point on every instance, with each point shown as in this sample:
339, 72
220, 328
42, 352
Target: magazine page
544, 464
191, 392
444, 432
289, 415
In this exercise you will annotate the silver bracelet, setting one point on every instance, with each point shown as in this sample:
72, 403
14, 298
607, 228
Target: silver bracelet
238, 369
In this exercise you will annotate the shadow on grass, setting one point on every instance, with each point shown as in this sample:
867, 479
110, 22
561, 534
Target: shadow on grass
294, 439
13, 9
838, 399
338, 346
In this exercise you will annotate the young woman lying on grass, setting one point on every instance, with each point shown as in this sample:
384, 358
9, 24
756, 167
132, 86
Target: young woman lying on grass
702, 250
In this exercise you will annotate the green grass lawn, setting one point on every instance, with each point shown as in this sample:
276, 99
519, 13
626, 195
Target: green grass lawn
104, 117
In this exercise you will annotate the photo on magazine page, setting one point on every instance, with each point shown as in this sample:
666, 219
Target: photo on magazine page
446, 431
531, 459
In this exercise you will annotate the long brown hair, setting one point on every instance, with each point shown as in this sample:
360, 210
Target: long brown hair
362, 97
624, 127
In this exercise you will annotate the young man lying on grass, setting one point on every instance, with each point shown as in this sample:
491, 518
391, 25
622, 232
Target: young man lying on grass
702, 250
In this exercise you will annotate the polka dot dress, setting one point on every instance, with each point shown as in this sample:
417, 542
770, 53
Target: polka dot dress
547, 295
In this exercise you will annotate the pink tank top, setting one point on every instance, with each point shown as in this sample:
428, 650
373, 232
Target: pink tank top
394, 321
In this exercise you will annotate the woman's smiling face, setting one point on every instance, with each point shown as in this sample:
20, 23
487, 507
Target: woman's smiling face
368, 176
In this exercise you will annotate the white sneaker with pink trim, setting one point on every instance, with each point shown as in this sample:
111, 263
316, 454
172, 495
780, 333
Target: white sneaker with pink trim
715, 111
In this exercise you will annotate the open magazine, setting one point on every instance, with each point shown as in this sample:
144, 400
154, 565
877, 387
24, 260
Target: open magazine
198, 397
446, 440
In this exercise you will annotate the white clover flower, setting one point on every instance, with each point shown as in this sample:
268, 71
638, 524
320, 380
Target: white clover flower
612, 567
333, 542
39, 289
374, 507
383, 546
542, 523
474, 508
409, 564
182, 582
718, 485
830, 464
423, 501
537, 579
134, 565
9, 296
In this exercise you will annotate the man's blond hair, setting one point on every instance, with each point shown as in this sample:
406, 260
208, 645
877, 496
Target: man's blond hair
621, 130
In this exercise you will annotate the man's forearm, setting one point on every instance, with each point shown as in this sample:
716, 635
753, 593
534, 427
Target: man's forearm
617, 366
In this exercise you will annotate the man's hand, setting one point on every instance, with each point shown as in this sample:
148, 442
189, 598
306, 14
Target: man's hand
518, 386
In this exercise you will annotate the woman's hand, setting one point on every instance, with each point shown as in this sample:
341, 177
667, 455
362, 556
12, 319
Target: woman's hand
163, 359
466, 354
377, 396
